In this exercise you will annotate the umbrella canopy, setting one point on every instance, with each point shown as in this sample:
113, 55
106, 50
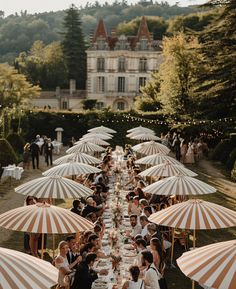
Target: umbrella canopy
70, 169
167, 170
77, 157
101, 129
53, 187
150, 148
103, 136
44, 219
85, 147
145, 136
19, 270
140, 129
179, 185
157, 159
134, 133
213, 265
194, 215
96, 140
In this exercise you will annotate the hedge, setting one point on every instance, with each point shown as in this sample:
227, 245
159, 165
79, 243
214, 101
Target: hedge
231, 159
223, 149
17, 142
7, 154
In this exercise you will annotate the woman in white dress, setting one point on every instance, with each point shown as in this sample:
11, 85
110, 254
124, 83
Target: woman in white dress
62, 264
135, 282
189, 158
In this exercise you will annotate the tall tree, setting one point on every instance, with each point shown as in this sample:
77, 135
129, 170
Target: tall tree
74, 47
217, 89
179, 72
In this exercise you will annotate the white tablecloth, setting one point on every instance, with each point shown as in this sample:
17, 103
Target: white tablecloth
12, 171
57, 146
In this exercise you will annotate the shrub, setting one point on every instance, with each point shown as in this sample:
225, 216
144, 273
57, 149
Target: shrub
223, 149
7, 153
17, 142
231, 160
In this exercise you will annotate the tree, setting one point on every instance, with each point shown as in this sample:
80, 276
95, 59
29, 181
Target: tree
89, 104
74, 47
43, 65
179, 72
217, 89
150, 98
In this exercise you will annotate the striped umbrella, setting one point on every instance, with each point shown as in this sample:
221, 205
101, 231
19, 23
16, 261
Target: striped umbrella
140, 129
167, 170
145, 136
101, 129
179, 185
85, 147
19, 270
104, 136
151, 148
71, 169
134, 133
195, 214
78, 158
44, 219
54, 187
157, 159
213, 265
96, 140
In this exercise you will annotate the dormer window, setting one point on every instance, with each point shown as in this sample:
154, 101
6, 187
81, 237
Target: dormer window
101, 45
143, 44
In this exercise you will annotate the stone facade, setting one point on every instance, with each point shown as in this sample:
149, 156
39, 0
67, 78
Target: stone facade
118, 65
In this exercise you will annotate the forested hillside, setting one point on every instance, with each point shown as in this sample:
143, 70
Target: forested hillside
19, 32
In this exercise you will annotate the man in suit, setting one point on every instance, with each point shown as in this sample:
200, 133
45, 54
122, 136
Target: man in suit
85, 275
48, 151
72, 254
34, 149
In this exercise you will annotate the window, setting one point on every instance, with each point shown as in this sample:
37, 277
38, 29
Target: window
64, 105
100, 64
100, 105
143, 65
121, 64
100, 44
143, 44
101, 84
142, 81
120, 105
121, 84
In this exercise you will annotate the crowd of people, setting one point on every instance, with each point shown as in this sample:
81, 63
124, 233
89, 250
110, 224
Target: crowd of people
77, 253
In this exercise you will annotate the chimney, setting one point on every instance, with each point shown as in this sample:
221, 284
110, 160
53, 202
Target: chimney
72, 86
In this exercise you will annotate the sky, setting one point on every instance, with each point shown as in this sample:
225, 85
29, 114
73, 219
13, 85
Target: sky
36, 6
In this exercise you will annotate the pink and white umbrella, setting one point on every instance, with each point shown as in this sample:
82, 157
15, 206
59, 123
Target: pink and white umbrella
145, 136
94, 139
157, 159
19, 270
104, 136
85, 147
151, 148
102, 129
77, 158
213, 265
167, 170
140, 129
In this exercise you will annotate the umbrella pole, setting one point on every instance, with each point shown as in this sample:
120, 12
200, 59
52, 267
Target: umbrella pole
53, 236
42, 246
172, 246
194, 246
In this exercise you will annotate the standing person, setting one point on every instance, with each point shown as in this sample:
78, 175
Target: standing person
48, 151
34, 149
73, 252
26, 156
72, 142
183, 150
176, 146
189, 158
151, 275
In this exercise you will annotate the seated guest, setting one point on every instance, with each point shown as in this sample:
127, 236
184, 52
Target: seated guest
62, 264
73, 253
85, 275
136, 228
139, 192
87, 248
154, 231
156, 250
76, 207
151, 275
141, 246
144, 223
133, 207
147, 211
92, 217
90, 207
135, 282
